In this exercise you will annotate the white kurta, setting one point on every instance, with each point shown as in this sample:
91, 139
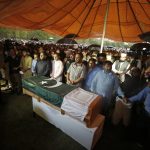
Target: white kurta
57, 70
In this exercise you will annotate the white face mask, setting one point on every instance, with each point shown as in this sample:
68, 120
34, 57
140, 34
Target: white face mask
148, 80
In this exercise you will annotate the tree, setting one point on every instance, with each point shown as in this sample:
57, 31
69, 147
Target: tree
24, 34
41, 35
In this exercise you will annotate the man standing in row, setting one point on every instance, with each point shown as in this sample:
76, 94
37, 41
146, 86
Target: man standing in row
76, 71
26, 64
120, 67
106, 84
43, 66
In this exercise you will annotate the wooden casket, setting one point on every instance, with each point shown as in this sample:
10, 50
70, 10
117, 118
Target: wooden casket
47, 104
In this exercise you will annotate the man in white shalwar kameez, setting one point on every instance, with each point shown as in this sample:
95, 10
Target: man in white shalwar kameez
57, 68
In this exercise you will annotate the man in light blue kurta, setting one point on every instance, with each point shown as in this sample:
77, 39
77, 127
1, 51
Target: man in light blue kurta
106, 84
90, 77
101, 59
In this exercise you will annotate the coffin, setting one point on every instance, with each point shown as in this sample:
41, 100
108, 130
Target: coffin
45, 90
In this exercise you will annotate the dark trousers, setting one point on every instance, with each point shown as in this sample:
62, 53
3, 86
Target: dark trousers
141, 127
15, 79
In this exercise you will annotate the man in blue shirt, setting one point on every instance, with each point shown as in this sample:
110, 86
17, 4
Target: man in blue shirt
101, 59
106, 84
144, 95
142, 120
34, 61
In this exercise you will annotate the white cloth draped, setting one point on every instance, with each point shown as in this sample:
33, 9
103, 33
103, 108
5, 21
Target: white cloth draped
76, 103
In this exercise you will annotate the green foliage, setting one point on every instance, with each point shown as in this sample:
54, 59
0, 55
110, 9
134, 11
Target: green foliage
107, 42
41, 35
25, 34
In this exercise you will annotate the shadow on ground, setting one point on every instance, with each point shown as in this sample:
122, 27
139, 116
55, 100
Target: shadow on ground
19, 130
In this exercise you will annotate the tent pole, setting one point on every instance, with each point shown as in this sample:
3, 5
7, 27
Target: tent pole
105, 23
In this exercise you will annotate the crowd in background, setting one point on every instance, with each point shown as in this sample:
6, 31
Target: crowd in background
108, 74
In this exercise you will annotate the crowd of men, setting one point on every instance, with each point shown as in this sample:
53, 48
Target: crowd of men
105, 74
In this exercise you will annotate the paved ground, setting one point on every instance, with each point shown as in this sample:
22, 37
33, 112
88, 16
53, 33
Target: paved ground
20, 130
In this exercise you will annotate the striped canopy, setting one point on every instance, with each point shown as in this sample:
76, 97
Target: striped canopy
126, 18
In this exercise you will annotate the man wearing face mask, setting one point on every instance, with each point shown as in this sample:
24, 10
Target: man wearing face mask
120, 67
106, 84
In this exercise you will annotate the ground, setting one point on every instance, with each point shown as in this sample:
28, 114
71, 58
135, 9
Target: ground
19, 130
